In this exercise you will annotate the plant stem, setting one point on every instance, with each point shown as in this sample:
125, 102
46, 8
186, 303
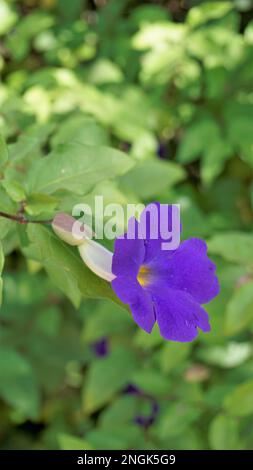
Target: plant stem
21, 219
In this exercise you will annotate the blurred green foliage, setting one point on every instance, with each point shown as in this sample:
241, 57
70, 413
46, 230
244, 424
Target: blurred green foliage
147, 100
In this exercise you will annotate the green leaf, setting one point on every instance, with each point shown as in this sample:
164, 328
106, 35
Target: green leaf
214, 160
65, 267
105, 71
120, 412
8, 17
107, 319
18, 385
106, 377
151, 382
1, 259
223, 433
239, 311
20, 40
76, 168
239, 402
68, 442
14, 190
208, 11
118, 437
37, 204
80, 129
175, 419
155, 177
1, 269
233, 246
4, 155
28, 145
198, 139
172, 355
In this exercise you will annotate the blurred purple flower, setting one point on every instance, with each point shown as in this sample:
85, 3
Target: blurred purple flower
146, 421
132, 389
162, 150
167, 287
100, 347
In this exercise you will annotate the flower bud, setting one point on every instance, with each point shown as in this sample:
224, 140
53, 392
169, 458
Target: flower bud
94, 255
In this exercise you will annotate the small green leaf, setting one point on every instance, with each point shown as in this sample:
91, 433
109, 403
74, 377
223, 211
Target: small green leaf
155, 177
239, 402
14, 190
233, 246
106, 377
239, 311
68, 442
176, 418
4, 155
37, 204
81, 129
1, 269
152, 382
223, 433
76, 168
18, 385
8, 17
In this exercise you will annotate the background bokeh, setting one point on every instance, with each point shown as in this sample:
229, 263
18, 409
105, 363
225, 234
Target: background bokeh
169, 83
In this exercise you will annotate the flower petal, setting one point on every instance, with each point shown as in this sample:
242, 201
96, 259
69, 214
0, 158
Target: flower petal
143, 311
97, 258
190, 270
178, 316
130, 292
155, 218
128, 254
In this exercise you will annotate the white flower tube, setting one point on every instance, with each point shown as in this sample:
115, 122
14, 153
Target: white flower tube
94, 255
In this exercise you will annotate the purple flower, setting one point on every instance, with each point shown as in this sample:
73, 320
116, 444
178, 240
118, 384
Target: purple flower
132, 389
162, 151
167, 287
100, 347
146, 421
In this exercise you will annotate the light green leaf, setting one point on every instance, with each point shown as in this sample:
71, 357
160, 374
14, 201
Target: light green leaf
106, 377
1, 259
223, 433
233, 246
81, 129
76, 168
239, 311
175, 419
214, 160
1, 269
105, 71
155, 177
4, 155
197, 139
239, 402
8, 17
14, 190
173, 355
151, 382
68, 442
208, 11
37, 204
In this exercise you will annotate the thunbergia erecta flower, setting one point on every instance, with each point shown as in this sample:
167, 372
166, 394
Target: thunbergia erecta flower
167, 287
100, 347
